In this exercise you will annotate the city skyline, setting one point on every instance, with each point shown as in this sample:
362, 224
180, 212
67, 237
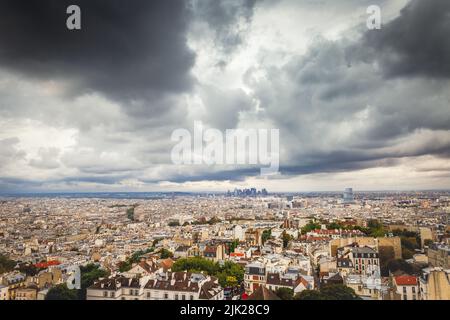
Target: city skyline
93, 110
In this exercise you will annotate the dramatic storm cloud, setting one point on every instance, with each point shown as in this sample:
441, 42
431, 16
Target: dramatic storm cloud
94, 109
124, 51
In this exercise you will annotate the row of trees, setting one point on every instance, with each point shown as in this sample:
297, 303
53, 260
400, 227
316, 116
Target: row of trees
229, 274
202, 221
374, 227
326, 292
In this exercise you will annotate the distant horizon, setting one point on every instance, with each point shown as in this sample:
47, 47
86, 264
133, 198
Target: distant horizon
214, 192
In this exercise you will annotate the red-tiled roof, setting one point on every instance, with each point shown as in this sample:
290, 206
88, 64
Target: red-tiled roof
47, 264
237, 254
406, 280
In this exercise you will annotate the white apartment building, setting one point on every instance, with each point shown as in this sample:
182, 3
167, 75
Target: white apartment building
183, 286
407, 287
158, 286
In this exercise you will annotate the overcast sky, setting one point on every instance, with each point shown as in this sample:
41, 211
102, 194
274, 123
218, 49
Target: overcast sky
94, 109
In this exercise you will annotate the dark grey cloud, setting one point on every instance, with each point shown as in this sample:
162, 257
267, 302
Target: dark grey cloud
239, 174
228, 19
8, 185
417, 43
127, 51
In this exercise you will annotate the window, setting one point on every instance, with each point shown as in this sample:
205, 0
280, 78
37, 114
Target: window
148, 295
136, 292
111, 294
191, 297
183, 297
404, 290
405, 297
166, 296
105, 294
176, 297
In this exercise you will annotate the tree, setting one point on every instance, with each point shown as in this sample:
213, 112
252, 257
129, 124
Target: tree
334, 225
234, 270
285, 293
228, 274
375, 228
195, 264
89, 274
6, 264
130, 213
309, 295
286, 239
266, 235
338, 292
61, 292
135, 257
310, 227
329, 292
28, 269
164, 254
233, 245
124, 266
